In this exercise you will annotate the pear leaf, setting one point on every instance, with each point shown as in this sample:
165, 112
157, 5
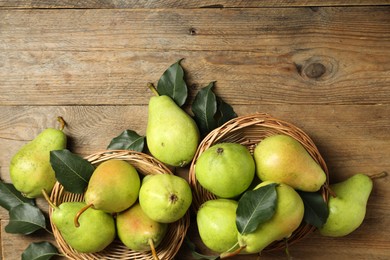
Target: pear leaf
172, 84
40, 251
210, 111
10, 197
256, 207
195, 254
316, 209
25, 219
224, 113
127, 140
71, 170
204, 108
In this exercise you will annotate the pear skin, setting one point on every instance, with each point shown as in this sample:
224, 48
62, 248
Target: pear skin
216, 222
30, 168
96, 228
135, 229
283, 159
225, 169
113, 186
348, 209
287, 218
172, 135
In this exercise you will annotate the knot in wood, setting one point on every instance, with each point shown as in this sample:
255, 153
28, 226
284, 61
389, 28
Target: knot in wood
192, 31
315, 70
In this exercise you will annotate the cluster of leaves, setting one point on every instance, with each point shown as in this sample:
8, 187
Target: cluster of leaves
25, 218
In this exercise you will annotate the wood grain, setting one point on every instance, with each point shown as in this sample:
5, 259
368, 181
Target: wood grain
322, 65
294, 55
180, 4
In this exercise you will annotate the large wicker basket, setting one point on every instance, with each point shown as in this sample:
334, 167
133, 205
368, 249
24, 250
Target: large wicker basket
145, 165
250, 130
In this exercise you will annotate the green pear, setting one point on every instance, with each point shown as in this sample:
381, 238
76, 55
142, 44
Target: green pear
30, 168
165, 198
139, 232
172, 135
225, 169
216, 221
281, 158
348, 209
94, 231
288, 216
113, 186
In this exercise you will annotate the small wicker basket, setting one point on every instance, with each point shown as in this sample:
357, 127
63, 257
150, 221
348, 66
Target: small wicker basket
145, 165
249, 130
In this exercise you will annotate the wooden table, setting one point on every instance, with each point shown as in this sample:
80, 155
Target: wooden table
321, 65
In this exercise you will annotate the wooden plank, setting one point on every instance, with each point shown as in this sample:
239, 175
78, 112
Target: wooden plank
181, 4
293, 55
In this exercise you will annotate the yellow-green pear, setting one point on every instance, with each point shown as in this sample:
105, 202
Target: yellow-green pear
95, 230
113, 186
30, 168
165, 198
348, 209
288, 216
281, 158
216, 222
172, 136
139, 232
225, 169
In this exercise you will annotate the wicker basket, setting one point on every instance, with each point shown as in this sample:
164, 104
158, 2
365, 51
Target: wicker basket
250, 130
145, 165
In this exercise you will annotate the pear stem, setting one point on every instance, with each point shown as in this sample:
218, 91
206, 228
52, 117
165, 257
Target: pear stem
76, 218
378, 175
231, 254
287, 250
46, 196
62, 122
153, 89
153, 249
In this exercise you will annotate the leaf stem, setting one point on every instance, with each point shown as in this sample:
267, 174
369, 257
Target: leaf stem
153, 249
46, 196
62, 122
82, 210
153, 89
48, 231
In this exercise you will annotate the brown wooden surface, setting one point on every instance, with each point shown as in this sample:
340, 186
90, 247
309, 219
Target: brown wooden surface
325, 68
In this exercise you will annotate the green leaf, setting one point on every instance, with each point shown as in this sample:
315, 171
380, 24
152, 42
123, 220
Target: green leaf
316, 209
127, 140
172, 84
256, 207
71, 170
204, 108
224, 113
40, 251
25, 219
210, 111
195, 254
10, 197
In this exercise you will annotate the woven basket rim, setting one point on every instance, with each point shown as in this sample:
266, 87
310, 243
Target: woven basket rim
268, 125
117, 250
